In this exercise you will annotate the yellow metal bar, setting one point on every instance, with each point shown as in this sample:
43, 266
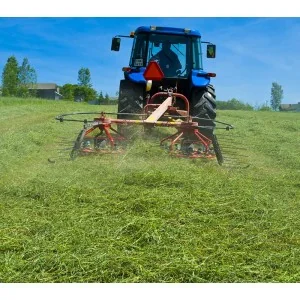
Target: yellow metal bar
141, 122
159, 111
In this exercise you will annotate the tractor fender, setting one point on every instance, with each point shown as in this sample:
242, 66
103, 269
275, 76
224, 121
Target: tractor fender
199, 81
136, 75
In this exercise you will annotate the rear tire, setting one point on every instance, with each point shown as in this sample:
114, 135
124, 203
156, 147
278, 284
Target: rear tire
131, 98
204, 106
131, 101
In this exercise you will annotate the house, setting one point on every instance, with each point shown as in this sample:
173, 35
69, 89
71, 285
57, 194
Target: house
290, 107
47, 91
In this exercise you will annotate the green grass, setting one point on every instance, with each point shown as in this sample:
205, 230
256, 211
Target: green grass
144, 216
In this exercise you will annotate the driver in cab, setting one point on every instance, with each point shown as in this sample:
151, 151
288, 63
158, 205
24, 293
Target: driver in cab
167, 60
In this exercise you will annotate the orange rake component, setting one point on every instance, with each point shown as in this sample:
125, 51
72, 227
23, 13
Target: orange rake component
85, 139
189, 141
186, 142
184, 129
187, 133
167, 106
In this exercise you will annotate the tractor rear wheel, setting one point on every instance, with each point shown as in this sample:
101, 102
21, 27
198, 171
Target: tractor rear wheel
204, 107
131, 97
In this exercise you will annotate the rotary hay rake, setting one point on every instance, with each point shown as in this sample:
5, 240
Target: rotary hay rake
109, 135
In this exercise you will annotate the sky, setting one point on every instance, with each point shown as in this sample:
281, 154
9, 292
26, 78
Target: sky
252, 52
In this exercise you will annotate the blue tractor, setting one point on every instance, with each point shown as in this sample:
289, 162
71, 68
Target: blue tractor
178, 52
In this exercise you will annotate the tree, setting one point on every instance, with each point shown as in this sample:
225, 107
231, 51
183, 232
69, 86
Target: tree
265, 107
27, 79
106, 99
233, 104
10, 78
101, 98
276, 95
67, 91
84, 77
85, 93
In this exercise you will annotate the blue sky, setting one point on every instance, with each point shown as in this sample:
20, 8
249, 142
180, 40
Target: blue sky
251, 52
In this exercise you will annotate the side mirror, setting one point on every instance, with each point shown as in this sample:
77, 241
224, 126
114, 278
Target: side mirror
115, 44
211, 51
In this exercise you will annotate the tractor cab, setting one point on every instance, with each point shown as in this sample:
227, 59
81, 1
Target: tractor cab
177, 51
174, 53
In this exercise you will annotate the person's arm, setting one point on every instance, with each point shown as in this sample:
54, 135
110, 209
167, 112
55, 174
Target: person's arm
177, 63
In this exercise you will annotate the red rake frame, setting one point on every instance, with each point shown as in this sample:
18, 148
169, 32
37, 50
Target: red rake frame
188, 141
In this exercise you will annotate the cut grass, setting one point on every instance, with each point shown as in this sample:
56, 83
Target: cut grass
144, 216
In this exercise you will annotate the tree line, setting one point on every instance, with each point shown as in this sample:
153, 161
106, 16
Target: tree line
83, 90
275, 101
20, 81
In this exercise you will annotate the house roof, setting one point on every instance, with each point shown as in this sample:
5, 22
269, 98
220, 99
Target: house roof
285, 105
45, 86
290, 106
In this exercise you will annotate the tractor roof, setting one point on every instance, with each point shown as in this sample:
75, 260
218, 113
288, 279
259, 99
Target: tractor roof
167, 30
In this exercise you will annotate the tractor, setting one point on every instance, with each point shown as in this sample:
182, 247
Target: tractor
190, 80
